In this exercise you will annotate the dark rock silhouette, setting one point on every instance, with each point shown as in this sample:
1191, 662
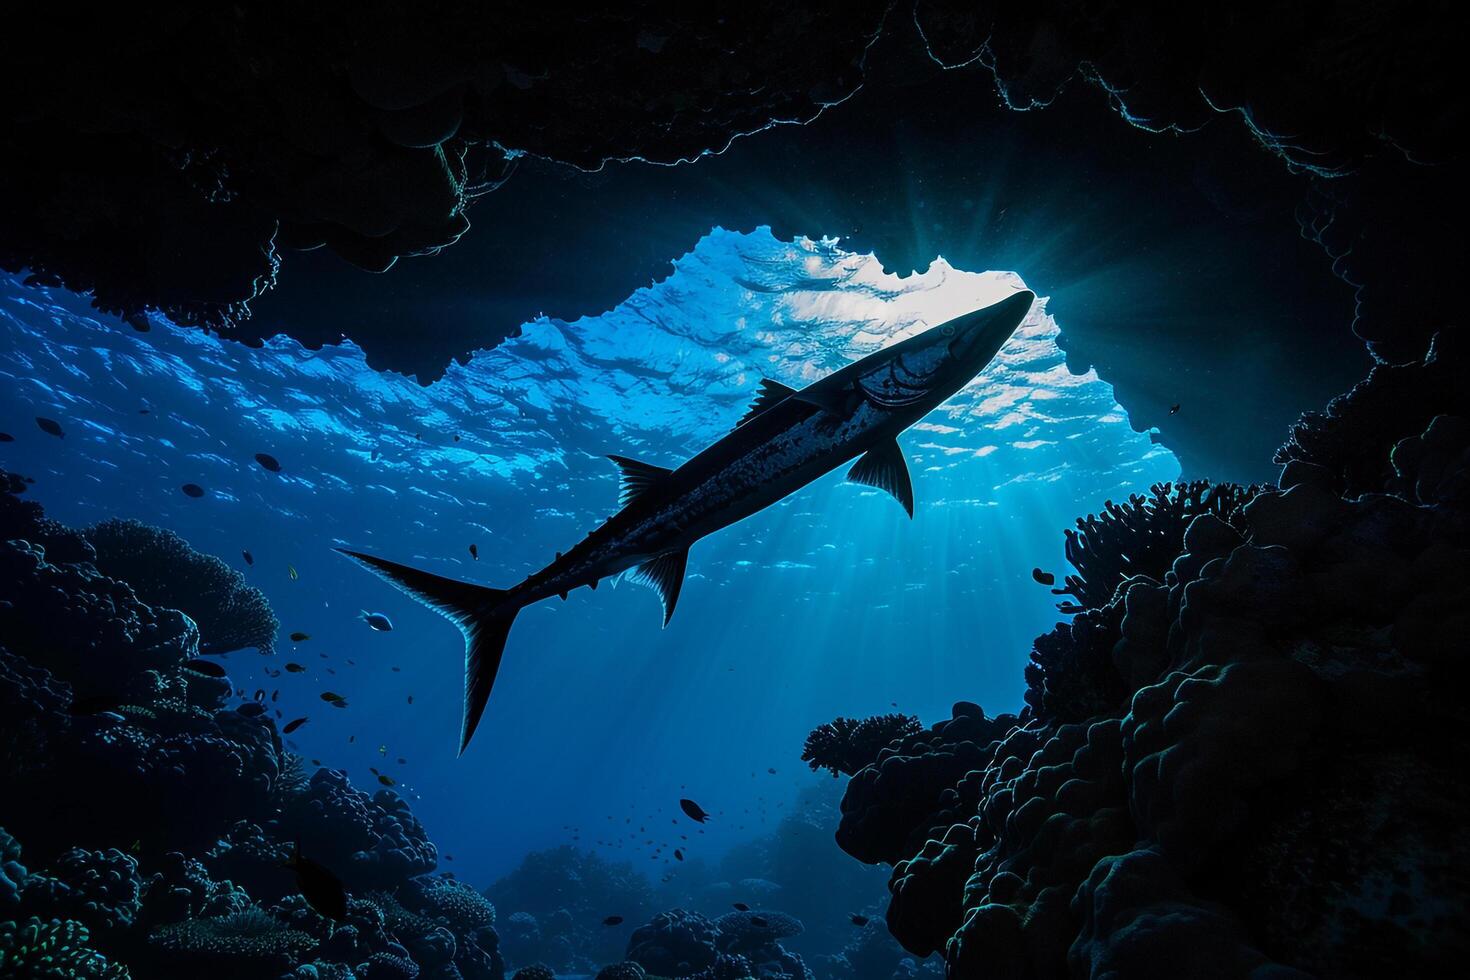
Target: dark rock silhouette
98, 705
164, 571
1211, 760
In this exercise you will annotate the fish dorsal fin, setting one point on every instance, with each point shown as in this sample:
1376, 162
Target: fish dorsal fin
883, 468
771, 393
834, 401
637, 477
666, 574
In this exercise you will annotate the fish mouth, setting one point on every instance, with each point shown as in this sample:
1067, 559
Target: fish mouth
980, 335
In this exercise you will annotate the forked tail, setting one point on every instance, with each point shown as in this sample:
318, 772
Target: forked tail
480, 615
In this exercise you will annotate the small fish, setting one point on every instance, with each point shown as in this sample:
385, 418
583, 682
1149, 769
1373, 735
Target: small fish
771, 771
260, 694
693, 810
192, 490
449, 857
136, 847
322, 890
292, 725
276, 695
144, 411
613, 920
294, 667
206, 667
249, 558
859, 920
474, 551
50, 426
377, 621
300, 637
331, 697
251, 709
385, 780
740, 907
1173, 409
268, 461
397, 669
383, 750
1043, 578
7, 437
410, 699
678, 854
403, 762
291, 572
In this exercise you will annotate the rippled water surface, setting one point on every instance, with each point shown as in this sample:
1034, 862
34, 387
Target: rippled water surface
832, 602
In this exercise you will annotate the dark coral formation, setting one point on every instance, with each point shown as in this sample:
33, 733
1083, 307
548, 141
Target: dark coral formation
1246, 760
680, 943
557, 899
1140, 537
97, 705
844, 746
164, 571
365, 128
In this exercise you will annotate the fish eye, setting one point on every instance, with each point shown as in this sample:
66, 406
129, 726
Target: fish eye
947, 330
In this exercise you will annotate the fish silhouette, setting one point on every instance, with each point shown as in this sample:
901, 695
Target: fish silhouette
793, 436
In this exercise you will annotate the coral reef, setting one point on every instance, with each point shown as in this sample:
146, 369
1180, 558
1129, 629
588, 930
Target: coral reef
679, 943
164, 571
98, 704
557, 898
844, 746
1184, 793
56, 950
1140, 537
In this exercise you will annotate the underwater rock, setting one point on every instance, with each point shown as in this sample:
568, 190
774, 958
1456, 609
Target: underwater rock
100, 889
397, 126
1353, 438
627, 970
1208, 813
675, 943
369, 841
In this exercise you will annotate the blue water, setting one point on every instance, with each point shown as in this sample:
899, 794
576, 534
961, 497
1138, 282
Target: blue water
832, 602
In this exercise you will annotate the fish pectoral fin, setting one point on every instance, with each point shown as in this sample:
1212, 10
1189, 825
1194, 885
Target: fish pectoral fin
771, 394
884, 468
666, 574
637, 477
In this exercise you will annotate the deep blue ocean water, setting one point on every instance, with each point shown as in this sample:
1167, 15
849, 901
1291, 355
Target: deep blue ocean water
832, 602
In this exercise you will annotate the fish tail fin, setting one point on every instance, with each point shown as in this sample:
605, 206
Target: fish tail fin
481, 614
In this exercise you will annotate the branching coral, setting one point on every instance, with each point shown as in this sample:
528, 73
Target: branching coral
846, 745
165, 571
248, 937
1140, 537
56, 950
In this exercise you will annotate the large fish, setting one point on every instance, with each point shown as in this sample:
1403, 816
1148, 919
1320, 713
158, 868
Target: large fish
786, 440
